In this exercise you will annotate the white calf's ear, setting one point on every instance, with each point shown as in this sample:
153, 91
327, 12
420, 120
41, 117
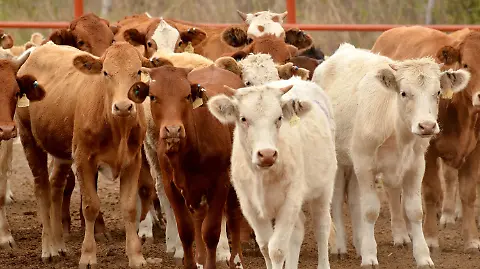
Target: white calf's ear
223, 108
455, 81
387, 77
295, 107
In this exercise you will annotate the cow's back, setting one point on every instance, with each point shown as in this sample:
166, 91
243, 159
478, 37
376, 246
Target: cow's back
51, 120
405, 42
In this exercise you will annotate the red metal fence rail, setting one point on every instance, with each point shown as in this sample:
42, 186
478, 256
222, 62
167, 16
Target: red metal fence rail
291, 23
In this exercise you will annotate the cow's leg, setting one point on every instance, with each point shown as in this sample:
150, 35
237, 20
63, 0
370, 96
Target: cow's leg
234, 219
172, 239
339, 248
6, 154
432, 195
449, 202
37, 161
212, 225
355, 211
412, 192
58, 180
262, 228
67, 196
399, 227
200, 251
85, 173
144, 206
183, 220
293, 254
223, 249
467, 179
128, 195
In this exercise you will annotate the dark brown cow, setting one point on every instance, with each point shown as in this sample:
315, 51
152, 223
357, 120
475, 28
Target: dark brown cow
92, 102
193, 150
306, 62
89, 33
6, 40
12, 87
457, 143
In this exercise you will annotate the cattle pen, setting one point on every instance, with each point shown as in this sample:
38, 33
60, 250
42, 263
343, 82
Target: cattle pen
291, 23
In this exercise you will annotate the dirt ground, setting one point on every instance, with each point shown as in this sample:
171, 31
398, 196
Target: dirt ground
26, 230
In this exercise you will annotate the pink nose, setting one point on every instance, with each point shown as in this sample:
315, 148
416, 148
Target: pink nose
267, 157
427, 127
123, 109
8, 132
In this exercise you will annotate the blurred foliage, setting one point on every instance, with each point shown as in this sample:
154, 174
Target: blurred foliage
308, 11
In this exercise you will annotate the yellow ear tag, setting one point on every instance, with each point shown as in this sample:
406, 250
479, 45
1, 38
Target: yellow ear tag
447, 94
294, 120
197, 103
23, 101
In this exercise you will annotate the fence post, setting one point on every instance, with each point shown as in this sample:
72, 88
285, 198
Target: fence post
292, 13
78, 6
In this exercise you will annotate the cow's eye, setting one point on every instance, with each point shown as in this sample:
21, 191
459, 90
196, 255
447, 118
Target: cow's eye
152, 98
139, 72
149, 44
105, 73
280, 118
81, 43
403, 94
438, 93
243, 119
248, 83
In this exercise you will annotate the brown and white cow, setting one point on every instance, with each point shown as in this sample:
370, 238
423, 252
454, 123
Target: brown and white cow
6, 40
457, 143
191, 150
98, 125
89, 33
12, 87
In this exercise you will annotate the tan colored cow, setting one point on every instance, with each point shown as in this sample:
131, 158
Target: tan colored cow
457, 143
91, 113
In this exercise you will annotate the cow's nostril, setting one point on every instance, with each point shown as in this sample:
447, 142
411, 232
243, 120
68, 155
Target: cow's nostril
130, 107
116, 107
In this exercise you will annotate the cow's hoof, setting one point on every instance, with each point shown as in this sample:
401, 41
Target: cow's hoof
401, 240
340, 256
447, 221
178, 261
473, 246
370, 263
50, 257
8, 243
137, 262
154, 261
370, 266
87, 266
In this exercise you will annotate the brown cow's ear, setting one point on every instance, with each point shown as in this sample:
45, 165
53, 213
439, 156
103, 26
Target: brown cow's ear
199, 96
230, 64
289, 70
298, 38
156, 62
114, 29
6, 40
194, 35
448, 55
62, 37
88, 64
29, 86
235, 37
134, 37
138, 92
280, 17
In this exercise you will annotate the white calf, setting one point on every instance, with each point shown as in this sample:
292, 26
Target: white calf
278, 166
385, 113
6, 155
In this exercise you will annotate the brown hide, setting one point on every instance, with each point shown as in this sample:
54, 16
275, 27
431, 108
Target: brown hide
89, 33
6, 40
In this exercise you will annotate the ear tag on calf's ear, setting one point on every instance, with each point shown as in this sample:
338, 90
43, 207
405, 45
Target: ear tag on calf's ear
198, 101
294, 120
447, 94
23, 101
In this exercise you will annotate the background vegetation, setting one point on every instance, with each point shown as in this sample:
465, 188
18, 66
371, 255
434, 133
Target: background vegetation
308, 11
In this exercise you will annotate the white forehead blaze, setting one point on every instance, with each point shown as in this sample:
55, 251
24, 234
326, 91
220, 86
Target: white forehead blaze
258, 69
165, 36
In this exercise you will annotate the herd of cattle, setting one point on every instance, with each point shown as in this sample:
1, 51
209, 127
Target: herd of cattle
236, 129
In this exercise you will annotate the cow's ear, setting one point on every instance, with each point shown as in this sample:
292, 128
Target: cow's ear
157, 62
194, 35
29, 86
223, 108
6, 40
134, 37
62, 37
235, 37
448, 55
88, 64
279, 17
298, 38
295, 107
387, 77
230, 64
114, 29
138, 92
289, 70
455, 81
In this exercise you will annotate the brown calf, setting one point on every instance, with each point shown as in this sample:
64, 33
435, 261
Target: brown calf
92, 102
458, 118
193, 150
89, 33
6, 40
12, 88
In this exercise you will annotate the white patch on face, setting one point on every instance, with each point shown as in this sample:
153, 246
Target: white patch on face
476, 99
238, 262
166, 37
264, 19
258, 69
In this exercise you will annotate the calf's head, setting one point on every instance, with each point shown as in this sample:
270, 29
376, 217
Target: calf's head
119, 69
88, 33
258, 113
6, 40
13, 88
465, 55
173, 99
280, 51
264, 22
419, 83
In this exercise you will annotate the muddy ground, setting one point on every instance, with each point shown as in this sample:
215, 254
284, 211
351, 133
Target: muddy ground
26, 230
